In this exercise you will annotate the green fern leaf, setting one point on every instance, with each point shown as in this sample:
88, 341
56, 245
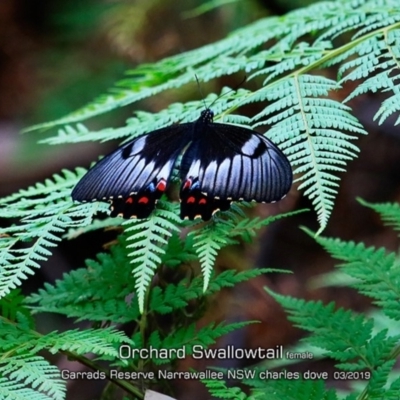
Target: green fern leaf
34, 374
377, 273
333, 330
311, 131
144, 122
149, 238
46, 212
298, 389
380, 52
393, 389
99, 292
178, 252
12, 306
376, 386
187, 337
219, 390
246, 228
389, 212
207, 242
174, 297
101, 342
16, 391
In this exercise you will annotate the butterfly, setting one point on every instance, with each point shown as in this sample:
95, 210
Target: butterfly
221, 163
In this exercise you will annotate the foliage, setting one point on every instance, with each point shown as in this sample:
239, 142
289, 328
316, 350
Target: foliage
104, 294
390, 212
289, 60
316, 132
300, 105
362, 349
26, 374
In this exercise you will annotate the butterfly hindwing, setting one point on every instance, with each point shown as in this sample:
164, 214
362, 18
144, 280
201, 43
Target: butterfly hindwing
195, 204
225, 163
134, 176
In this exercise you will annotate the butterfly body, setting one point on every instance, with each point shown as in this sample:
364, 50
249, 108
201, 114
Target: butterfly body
221, 163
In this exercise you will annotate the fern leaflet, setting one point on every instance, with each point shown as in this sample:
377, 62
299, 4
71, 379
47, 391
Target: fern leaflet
315, 139
149, 238
377, 273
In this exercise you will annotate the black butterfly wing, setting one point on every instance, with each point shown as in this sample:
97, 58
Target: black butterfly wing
135, 175
226, 163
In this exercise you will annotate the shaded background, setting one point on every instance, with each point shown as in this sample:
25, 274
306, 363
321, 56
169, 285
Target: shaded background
55, 56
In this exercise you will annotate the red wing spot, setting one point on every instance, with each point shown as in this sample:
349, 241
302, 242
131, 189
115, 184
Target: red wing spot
143, 200
161, 186
191, 199
203, 201
187, 184
129, 200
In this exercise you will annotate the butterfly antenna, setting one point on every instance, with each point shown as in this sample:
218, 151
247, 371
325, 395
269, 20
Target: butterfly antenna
201, 92
230, 90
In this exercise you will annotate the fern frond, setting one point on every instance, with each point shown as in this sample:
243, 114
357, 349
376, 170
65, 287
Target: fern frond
187, 337
45, 232
178, 252
236, 53
34, 374
347, 337
207, 242
379, 61
312, 131
102, 342
174, 297
149, 238
12, 306
97, 224
59, 186
221, 232
284, 60
16, 391
28, 372
376, 385
46, 212
298, 389
389, 212
377, 272
144, 122
219, 390
246, 228
319, 125
394, 388
99, 292
229, 278
324, 321
211, 61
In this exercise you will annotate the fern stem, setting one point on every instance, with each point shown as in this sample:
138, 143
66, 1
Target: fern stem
143, 326
395, 353
321, 212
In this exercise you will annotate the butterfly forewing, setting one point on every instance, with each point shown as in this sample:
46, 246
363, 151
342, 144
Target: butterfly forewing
134, 176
